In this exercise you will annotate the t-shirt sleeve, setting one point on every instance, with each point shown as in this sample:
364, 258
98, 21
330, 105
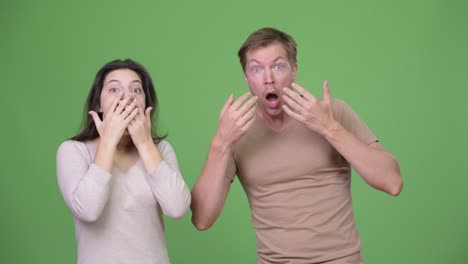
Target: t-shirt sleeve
84, 185
345, 115
167, 184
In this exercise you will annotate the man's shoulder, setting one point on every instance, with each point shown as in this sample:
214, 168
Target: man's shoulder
338, 103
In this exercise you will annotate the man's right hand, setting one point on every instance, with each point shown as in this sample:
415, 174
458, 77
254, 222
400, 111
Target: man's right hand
210, 191
234, 121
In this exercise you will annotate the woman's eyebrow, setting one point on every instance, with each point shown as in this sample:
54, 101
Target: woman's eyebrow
137, 81
112, 81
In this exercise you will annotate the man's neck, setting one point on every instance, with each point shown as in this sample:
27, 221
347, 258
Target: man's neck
277, 123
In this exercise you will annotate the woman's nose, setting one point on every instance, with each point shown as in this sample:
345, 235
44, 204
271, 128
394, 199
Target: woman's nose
129, 94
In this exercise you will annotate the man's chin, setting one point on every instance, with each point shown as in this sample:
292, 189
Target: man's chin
273, 112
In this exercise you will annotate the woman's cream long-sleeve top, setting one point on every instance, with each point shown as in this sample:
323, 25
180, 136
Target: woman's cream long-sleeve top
118, 215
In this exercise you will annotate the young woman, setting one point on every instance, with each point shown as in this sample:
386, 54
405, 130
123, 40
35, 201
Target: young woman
118, 175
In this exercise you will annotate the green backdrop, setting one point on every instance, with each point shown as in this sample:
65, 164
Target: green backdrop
402, 65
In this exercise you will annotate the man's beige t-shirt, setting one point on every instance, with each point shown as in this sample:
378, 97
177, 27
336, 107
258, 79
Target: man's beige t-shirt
298, 187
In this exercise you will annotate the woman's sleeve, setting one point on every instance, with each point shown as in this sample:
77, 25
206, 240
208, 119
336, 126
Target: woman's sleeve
167, 184
84, 185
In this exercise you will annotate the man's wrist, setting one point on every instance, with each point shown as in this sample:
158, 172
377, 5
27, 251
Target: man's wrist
332, 130
219, 145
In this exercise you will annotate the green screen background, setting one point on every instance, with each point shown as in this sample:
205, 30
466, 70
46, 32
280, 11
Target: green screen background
402, 66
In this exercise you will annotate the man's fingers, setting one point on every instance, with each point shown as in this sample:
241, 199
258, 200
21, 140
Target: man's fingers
251, 103
227, 103
240, 100
249, 123
292, 114
247, 116
306, 94
296, 98
326, 92
293, 103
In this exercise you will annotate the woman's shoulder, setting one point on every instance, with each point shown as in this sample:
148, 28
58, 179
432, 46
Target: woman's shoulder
162, 143
73, 146
164, 146
71, 143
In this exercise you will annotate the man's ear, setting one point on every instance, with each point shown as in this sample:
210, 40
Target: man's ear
294, 69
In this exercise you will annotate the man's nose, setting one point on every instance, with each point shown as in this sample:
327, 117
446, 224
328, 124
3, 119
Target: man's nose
269, 78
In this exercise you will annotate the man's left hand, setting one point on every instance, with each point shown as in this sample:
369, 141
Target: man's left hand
316, 114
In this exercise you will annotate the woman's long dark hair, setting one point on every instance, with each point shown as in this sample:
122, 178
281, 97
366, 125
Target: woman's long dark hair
89, 131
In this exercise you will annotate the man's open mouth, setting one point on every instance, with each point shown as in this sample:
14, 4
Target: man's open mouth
271, 97
272, 100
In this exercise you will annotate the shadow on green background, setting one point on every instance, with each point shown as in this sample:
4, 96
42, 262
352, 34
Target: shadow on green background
401, 65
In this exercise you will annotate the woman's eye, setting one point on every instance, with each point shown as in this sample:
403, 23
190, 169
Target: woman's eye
113, 90
137, 90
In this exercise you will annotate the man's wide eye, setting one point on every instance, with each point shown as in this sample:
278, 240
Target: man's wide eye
279, 66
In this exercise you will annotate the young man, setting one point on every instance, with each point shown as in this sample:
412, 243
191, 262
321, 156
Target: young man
293, 154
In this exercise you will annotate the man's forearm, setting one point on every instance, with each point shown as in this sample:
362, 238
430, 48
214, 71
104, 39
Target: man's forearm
371, 161
211, 189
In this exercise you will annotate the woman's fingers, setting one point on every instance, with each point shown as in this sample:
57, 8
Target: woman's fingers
97, 120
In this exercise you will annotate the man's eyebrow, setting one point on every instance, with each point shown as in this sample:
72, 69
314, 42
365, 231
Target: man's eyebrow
279, 58
253, 61
275, 60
